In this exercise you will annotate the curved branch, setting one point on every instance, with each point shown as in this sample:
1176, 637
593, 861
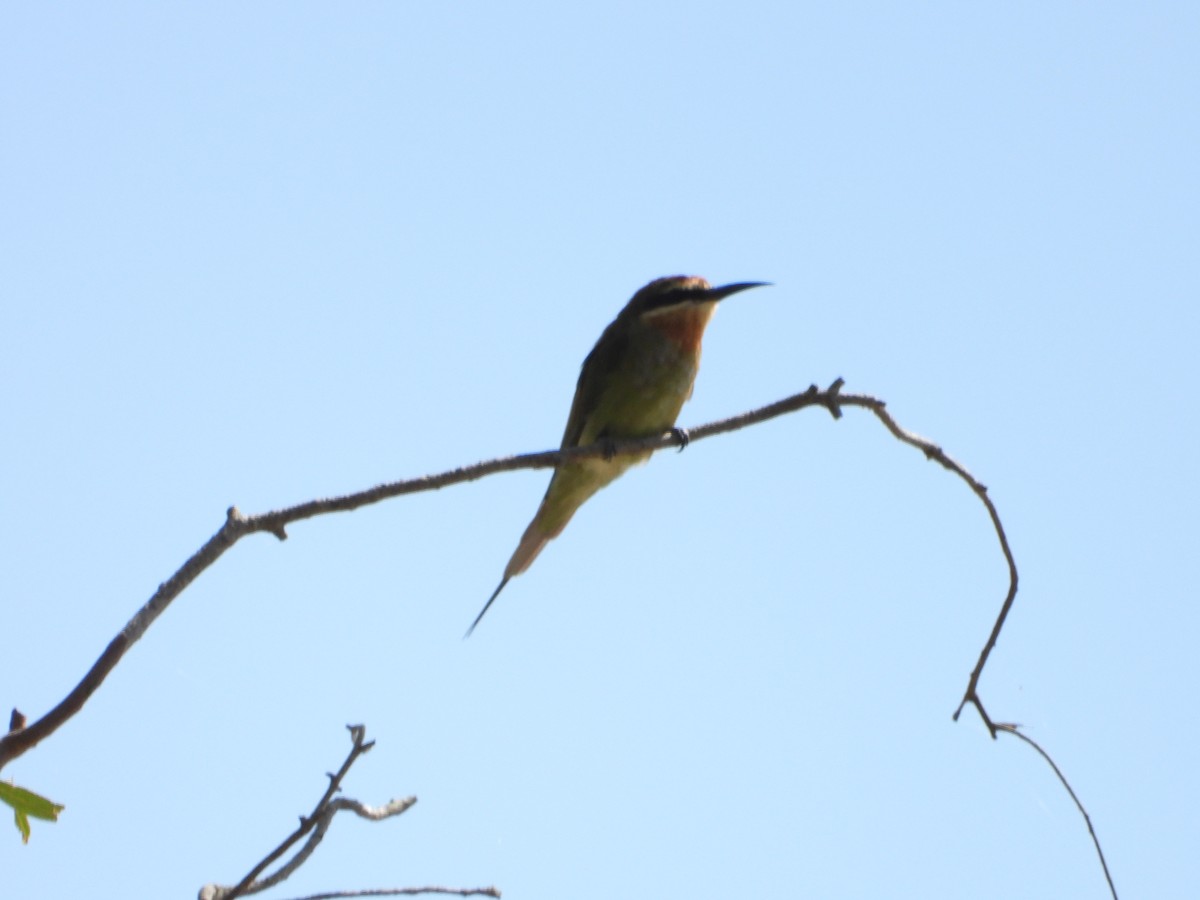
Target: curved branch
1015, 731
405, 892
237, 526
937, 454
20, 739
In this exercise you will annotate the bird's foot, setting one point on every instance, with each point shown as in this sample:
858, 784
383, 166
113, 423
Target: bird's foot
682, 436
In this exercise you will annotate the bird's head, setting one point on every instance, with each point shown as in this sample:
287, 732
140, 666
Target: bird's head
675, 291
681, 305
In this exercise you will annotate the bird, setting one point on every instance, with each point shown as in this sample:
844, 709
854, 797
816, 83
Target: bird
631, 385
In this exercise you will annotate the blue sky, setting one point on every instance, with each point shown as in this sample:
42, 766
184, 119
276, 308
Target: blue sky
257, 253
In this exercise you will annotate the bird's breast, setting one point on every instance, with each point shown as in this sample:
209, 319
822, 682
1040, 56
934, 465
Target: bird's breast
683, 326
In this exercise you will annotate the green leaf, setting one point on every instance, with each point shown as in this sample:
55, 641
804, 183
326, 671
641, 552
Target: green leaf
25, 804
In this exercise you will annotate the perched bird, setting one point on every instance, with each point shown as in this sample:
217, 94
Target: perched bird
632, 385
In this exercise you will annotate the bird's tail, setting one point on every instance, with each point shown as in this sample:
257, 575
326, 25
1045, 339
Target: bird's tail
487, 606
532, 542
555, 511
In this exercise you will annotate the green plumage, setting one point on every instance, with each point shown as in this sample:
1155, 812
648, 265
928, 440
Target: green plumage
633, 384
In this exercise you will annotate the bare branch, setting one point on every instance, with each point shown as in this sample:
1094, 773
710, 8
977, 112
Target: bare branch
20, 739
237, 526
934, 452
406, 892
315, 825
1015, 731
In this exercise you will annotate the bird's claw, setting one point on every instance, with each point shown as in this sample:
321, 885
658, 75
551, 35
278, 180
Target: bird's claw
682, 436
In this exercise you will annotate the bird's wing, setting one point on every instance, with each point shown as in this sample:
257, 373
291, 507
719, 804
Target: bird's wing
593, 381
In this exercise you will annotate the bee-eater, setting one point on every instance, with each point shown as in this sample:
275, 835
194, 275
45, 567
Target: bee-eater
632, 385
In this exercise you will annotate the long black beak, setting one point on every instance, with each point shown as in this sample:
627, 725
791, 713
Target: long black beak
720, 293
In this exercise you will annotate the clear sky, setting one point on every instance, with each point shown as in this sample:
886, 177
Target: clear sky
258, 253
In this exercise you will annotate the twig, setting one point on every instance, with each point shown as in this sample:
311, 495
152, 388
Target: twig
237, 526
934, 452
405, 892
315, 825
1015, 731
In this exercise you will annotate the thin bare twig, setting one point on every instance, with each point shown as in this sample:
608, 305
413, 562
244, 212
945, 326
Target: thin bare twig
406, 892
1015, 731
237, 526
937, 454
315, 825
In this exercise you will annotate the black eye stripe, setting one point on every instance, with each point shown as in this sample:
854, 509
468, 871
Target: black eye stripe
674, 297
